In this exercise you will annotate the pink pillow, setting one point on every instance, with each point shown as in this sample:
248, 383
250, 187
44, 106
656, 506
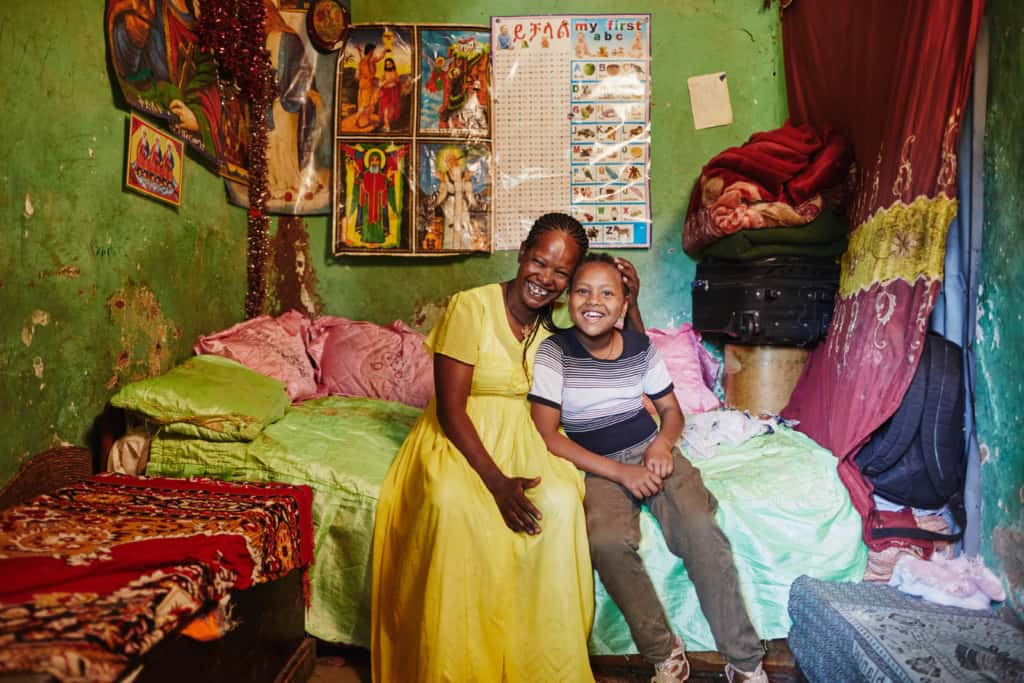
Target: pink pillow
275, 347
692, 368
358, 358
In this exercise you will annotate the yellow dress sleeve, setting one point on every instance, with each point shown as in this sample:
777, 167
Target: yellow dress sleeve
456, 335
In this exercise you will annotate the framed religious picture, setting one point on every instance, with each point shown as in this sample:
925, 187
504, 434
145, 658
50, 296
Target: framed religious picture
372, 198
406, 184
155, 162
376, 81
328, 24
453, 196
455, 82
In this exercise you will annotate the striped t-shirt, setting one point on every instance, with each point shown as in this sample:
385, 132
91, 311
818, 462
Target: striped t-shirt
601, 400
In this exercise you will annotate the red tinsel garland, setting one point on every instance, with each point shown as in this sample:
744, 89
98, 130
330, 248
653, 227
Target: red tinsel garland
235, 31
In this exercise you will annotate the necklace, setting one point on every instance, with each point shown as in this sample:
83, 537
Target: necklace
525, 328
611, 351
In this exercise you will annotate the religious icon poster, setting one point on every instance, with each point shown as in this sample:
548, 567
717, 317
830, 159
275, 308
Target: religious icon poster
455, 64
373, 195
453, 196
375, 81
155, 162
300, 139
163, 71
412, 119
572, 99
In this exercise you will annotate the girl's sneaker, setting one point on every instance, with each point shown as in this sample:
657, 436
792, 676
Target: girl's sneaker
735, 675
675, 669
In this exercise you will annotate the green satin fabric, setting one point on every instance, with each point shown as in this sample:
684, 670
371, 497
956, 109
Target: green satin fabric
785, 512
342, 448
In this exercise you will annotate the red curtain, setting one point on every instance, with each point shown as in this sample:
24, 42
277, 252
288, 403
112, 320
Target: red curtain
892, 77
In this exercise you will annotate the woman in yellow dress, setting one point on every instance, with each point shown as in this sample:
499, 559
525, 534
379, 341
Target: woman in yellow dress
481, 568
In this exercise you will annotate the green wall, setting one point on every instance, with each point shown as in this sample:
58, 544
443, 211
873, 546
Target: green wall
1000, 343
97, 285
688, 38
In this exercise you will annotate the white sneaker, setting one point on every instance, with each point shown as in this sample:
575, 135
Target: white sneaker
675, 669
735, 675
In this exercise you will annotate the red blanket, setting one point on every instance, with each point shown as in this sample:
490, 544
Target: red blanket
781, 177
102, 570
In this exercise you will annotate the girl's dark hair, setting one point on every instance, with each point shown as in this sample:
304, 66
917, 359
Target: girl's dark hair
546, 223
601, 257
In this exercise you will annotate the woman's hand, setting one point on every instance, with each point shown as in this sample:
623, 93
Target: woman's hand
634, 320
519, 513
639, 480
629, 278
658, 459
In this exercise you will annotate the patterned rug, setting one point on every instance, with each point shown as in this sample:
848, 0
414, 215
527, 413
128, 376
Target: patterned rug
871, 632
98, 573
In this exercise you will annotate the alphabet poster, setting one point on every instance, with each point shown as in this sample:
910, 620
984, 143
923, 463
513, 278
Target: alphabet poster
571, 106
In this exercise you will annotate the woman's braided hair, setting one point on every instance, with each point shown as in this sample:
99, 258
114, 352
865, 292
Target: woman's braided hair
546, 223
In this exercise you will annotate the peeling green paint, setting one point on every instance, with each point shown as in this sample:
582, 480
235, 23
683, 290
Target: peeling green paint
1000, 334
144, 332
71, 240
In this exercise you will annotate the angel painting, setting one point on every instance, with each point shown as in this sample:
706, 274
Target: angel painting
455, 94
373, 190
454, 196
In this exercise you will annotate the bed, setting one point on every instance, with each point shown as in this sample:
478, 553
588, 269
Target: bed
110, 577
780, 503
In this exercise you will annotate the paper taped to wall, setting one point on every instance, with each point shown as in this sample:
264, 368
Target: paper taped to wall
709, 99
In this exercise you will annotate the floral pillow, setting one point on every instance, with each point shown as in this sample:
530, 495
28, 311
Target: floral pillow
275, 347
359, 358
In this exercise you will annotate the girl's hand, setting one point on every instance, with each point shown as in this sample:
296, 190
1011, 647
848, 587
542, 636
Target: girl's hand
518, 512
658, 458
639, 480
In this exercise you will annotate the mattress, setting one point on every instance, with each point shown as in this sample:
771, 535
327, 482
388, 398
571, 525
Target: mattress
780, 503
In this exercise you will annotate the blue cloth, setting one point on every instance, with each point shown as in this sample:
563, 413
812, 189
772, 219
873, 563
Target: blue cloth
954, 316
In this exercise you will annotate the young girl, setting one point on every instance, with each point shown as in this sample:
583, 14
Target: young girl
590, 380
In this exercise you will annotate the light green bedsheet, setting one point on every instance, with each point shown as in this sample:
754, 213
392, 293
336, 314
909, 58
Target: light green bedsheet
785, 512
342, 448
781, 505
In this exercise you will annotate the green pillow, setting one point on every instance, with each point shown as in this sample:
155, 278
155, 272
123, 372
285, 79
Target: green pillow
208, 397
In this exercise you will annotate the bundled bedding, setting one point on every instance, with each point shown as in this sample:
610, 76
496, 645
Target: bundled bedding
780, 503
780, 178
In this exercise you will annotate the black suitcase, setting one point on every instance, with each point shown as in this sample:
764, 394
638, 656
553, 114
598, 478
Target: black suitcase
784, 300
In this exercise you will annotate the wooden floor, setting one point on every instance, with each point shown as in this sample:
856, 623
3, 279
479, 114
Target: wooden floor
352, 665
704, 666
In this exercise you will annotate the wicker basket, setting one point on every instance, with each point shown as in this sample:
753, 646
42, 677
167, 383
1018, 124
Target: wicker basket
46, 472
